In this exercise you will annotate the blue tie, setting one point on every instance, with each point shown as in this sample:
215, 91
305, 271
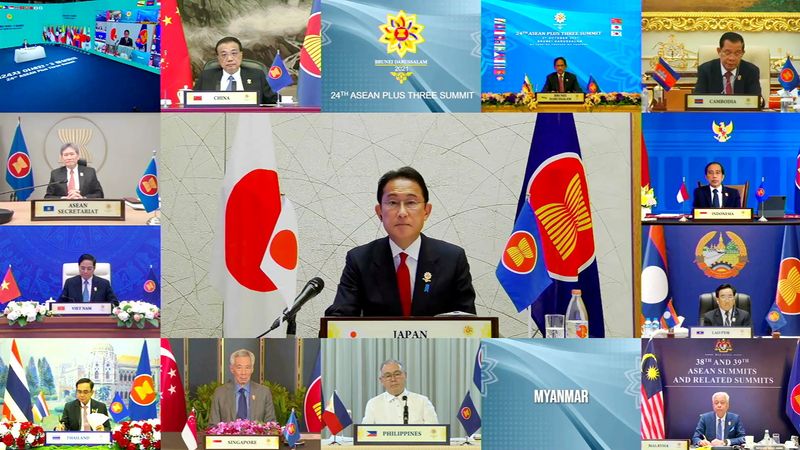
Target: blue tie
715, 199
231, 83
86, 296
241, 410
720, 429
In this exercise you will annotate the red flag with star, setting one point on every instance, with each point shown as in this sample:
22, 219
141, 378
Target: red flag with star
173, 400
9, 290
176, 67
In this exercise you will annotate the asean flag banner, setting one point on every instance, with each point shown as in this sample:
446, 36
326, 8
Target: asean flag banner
787, 292
793, 392
312, 404
147, 189
143, 403
19, 174
255, 256
309, 79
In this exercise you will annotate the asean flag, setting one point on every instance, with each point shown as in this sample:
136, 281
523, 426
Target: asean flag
312, 404
309, 80
788, 76
655, 280
143, 397
787, 292
255, 256
793, 392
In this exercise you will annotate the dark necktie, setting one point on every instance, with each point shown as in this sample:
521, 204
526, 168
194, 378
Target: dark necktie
561, 83
404, 285
720, 429
727, 318
241, 409
231, 83
728, 86
715, 198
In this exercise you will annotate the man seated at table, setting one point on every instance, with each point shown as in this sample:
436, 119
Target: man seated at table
86, 287
719, 427
714, 194
240, 398
76, 413
24, 43
390, 407
726, 315
73, 181
231, 76
126, 39
729, 74
406, 273
561, 80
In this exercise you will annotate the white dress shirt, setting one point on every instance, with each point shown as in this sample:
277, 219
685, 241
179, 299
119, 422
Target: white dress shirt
223, 82
411, 261
719, 194
386, 409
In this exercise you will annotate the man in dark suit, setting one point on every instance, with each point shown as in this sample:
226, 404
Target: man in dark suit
730, 74
126, 40
727, 314
561, 80
406, 273
240, 398
714, 194
231, 76
76, 413
86, 287
719, 427
73, 181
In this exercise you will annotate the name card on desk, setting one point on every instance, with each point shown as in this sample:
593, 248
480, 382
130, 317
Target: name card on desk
560, 97
77, 438
723, 214
707, 102
401, 434
81, 309
220, 98
246, 442
82, 209
665, 444
721, 332
352, 328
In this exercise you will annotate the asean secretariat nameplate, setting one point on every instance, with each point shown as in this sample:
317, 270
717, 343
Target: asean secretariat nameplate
83, 209
243, 442
409, 329
220, 98
718, 101
721, 332
81, 309
77, 438
722, 214
560, 97
401, 434
665, 444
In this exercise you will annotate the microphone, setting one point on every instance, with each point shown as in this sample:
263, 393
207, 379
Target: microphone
405, 410
82, 162
310, 290
14, 191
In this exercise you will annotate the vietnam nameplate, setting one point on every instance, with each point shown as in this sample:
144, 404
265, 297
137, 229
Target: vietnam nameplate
81, 309
81, 209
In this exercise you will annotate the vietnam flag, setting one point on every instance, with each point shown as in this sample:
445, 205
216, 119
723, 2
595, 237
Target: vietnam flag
176, 68
9, 290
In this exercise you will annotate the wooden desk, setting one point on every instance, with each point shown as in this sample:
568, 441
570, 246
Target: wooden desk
173, 441
22, 216
77, 327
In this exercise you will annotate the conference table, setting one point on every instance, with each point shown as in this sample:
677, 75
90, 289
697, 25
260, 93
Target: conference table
76, 327
241, 109
29, 54
173, 441
652, 220
349, 445
22, 216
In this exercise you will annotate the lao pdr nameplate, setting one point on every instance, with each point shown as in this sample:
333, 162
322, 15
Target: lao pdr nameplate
721, 332
401, 434
81, 209
242, 442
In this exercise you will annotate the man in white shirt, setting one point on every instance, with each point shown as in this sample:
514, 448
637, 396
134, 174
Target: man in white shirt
397, 405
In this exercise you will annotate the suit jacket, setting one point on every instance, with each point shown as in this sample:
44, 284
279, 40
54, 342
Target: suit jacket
252, 79
88, 183
710, 80
226, 399
71, 417
707, 426
126, 41
368, 285
713, 318
702, 197
101, 290
570, 83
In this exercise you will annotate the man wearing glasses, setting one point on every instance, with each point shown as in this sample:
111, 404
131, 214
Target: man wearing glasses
397, 405
240, 398
731, 74
231, 76
727, 315
406, 273
76, 415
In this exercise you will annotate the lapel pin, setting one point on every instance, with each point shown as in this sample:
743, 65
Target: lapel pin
249, 81
739, 78
253, 397
427, 277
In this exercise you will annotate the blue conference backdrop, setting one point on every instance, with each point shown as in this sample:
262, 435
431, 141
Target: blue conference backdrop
749, 146
754, 372
520, 37
418, 56
575, 394
37, 253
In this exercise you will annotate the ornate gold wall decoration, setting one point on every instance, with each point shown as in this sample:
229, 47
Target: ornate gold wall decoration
705, 21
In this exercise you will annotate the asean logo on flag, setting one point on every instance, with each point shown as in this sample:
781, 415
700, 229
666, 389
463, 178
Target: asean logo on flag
143, 391
760, 192
560, 198
466, 413
275, 72
311, 52
787, 75
148, 184
116, 407
521, 253
290, 428
149, 286
19, 165
774, 316
789, 286
796, 399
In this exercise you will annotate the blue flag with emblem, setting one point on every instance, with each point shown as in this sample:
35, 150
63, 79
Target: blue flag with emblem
277, 75
786, 290
291, 432
147, 189
19, 174
788, 76
143, 396
775, 318
468, 416
117, 409
793, 392
152, 294
761, 192
476, 369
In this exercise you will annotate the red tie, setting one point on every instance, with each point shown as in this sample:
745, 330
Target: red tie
728, 87
561, 83
71, 183
404, 285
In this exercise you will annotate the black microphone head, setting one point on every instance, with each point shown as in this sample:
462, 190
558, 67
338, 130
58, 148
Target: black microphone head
405, 398
316, 284
82, 162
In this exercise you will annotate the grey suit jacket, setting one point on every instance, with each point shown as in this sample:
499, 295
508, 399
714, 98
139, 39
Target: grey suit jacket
223, 406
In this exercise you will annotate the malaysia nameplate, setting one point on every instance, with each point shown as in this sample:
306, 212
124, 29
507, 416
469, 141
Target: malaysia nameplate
220, 98
721, 332
77, 438
245, 442
560, 97
722, 214
719, 101
401, 434
82, 209
81, 309
665, 444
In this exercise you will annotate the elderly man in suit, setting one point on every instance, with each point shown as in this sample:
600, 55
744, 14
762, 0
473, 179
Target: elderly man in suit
727, 315
76, 413
729, 74
719, 428
714, 194
241, 398
231, 76
73, 181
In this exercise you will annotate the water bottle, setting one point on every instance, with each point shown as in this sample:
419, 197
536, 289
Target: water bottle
647, 328
577, 317
656, 325
645, 100
767, 439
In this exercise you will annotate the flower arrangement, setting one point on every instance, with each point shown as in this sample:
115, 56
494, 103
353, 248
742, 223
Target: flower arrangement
241, 426
137, 435
648, 197
612, 99
23, 313
130, 313
20, 435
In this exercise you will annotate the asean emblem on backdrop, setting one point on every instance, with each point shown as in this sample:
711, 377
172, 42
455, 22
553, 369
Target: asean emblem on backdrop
788, 298
401, 33
723, 257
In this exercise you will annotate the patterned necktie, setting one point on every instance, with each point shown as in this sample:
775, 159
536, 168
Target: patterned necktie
720, 429
715, 199
85, 418
404, 285
86, 296
71, 182
728, 86
241, 410
561, 83
727, 318
231, 83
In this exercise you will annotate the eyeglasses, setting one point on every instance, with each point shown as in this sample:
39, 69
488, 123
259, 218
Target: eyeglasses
83, 392
730, 53
391, 375
234, 54
394, 205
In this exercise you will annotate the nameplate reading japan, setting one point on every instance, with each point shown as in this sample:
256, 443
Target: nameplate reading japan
560, 97
220, 98
77, 438
401, 434
721, 332
81, 309
719, 101
409, 329
674, 444
83, 209
723, 214
245, 442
